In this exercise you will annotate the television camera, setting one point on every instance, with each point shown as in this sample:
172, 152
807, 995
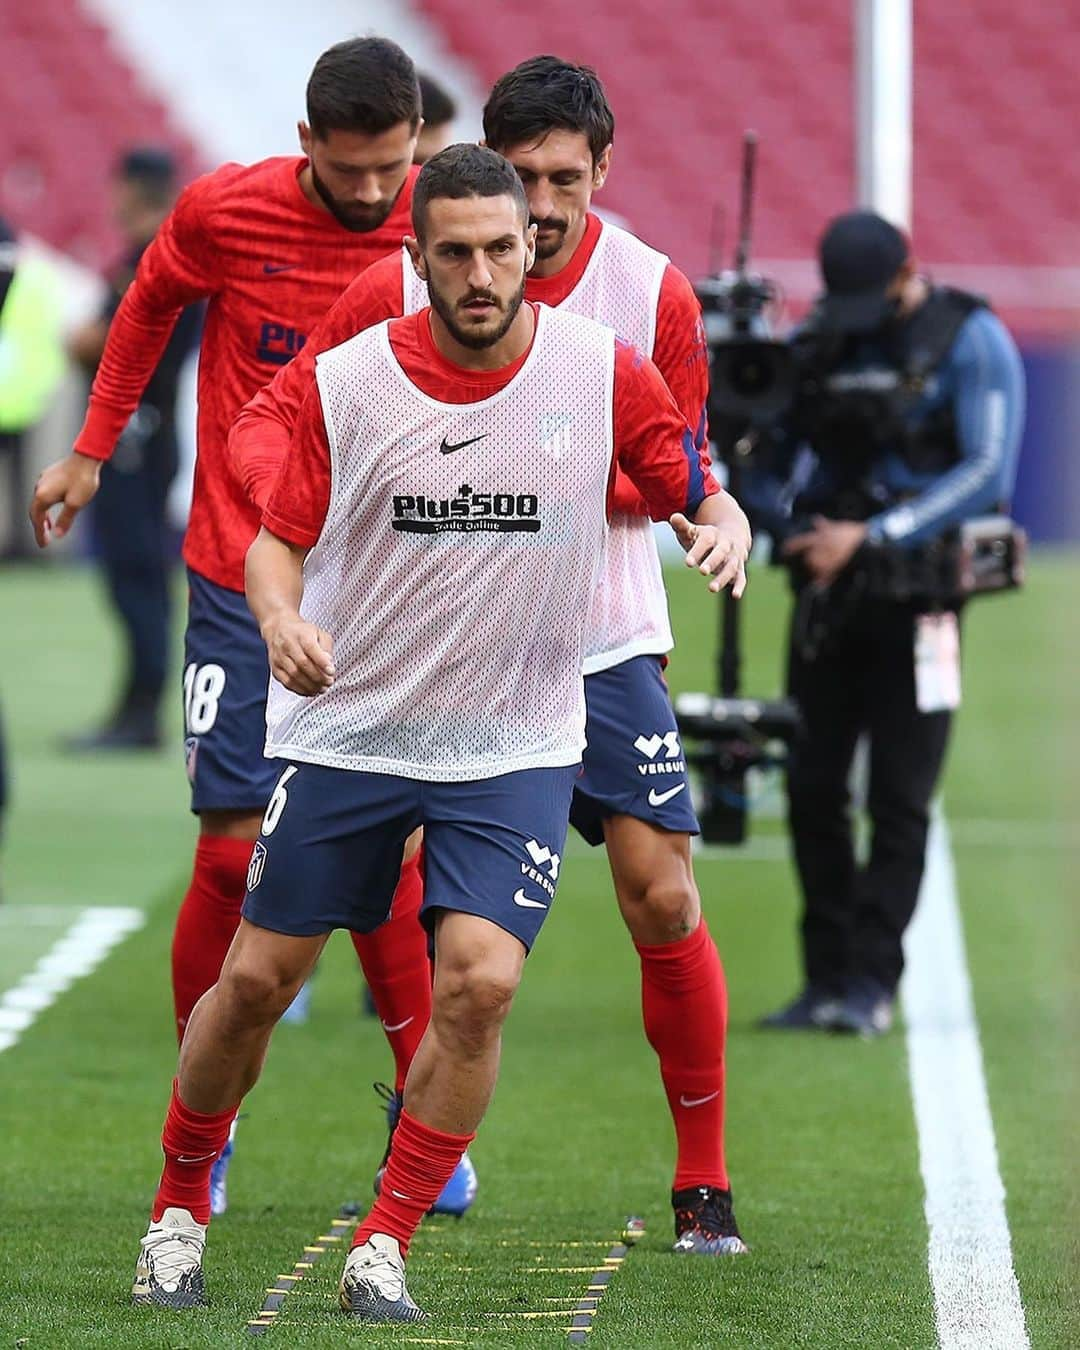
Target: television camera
752, 380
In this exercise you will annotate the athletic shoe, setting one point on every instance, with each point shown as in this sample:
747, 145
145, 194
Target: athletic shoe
299, 1010
459, 1192
866, 1010
133, 726
813, 1010
169, 1273
219, 1175
373, 1283
705, 1223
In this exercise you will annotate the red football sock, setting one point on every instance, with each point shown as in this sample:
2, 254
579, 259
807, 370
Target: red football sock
421, 1162
684, 1001
398, 972
208, 920
191, 1142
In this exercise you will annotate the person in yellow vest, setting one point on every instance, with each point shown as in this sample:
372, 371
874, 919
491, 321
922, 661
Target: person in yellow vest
31, 365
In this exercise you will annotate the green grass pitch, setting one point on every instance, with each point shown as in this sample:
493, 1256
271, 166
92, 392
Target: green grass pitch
821, 1137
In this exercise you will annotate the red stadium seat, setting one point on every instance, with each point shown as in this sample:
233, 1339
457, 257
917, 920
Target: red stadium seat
997, 103
69, 105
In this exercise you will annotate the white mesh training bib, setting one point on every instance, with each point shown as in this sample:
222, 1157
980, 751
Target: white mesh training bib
620, 287
456, 566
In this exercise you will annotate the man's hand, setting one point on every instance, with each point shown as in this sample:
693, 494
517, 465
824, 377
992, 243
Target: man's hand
300, 653
828, 548
69, 483
717, 550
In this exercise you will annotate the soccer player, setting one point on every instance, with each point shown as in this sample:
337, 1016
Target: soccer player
423, 580
552, 121
271, 245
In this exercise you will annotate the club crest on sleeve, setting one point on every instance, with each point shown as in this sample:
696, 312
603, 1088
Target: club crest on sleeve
256, 865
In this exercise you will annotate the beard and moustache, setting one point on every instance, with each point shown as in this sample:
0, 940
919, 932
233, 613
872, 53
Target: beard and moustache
471, 338
355, 216
547, 249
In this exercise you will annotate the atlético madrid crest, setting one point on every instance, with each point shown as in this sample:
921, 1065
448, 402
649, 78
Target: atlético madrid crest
255, 866
555, 433
191, 754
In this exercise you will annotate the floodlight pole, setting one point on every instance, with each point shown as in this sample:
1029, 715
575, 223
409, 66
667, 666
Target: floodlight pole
883, 107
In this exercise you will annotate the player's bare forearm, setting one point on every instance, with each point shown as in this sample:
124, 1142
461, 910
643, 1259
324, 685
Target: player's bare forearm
717, 542
299, 652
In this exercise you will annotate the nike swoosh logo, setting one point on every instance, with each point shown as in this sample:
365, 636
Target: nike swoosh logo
526, 902
270, 269
203, 1157
447, 449
659, 798
398, 1026
400, 1194
698, 1101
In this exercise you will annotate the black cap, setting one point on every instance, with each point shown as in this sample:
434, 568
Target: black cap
147, 164
860, 255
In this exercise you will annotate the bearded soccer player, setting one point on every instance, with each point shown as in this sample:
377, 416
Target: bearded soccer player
552, 121
271, 245
449, 477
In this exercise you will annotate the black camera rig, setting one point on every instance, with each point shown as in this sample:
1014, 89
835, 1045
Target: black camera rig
751, 382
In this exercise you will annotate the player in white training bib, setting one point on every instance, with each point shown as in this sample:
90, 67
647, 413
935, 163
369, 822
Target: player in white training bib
552, 120
422, 581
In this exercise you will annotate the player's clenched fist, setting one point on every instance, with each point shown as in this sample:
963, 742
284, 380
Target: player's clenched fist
717, 543
301, 655
69, 483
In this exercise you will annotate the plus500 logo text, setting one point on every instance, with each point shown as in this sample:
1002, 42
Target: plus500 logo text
466, 512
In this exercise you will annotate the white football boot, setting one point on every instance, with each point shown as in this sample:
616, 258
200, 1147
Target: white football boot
169, 1273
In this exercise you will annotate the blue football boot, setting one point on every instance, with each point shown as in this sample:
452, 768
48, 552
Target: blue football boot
219, 1175
459, 1192
299, 1010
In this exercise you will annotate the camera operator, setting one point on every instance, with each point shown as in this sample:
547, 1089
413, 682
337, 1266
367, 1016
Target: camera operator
907, 425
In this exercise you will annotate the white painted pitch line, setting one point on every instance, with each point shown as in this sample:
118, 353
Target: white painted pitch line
977, 1302
38, 916
82, 949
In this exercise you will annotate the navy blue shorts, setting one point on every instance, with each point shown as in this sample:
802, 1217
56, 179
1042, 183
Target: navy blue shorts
329, 854
633, 764
226, 675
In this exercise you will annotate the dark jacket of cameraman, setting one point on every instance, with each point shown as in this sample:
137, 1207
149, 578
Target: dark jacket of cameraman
908, 423
967, 411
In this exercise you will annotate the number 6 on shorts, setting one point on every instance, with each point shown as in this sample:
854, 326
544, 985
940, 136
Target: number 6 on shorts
277, 802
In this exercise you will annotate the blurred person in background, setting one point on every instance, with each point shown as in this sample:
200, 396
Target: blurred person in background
32, 364
913, 423
551, 120
130, 528
270, 246
31, 367
439, 111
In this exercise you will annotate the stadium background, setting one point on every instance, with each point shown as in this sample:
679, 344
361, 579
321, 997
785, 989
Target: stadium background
821, 1137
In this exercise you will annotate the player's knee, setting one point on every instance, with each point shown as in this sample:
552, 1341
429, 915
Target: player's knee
254, 995
663, 908
471, 1003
